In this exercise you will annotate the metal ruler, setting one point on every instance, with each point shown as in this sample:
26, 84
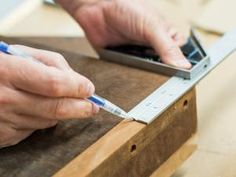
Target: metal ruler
162, 98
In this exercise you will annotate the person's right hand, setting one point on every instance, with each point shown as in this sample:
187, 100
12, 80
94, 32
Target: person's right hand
35, 96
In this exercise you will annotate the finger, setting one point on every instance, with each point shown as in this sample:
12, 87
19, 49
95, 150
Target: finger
167, 48
47, 57
172, 32
24, 122
179, 39
10, 136
45, 80
53, 108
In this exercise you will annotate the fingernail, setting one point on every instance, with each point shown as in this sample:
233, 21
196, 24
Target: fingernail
88, 110
90, 89
182, 63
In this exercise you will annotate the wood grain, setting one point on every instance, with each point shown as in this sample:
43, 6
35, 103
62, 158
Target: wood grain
176, 160
132, 149
47, 151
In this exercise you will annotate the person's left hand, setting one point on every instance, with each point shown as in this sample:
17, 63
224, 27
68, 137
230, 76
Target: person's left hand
115, 22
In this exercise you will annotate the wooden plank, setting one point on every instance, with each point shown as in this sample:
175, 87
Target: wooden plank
176, 160
77, 45
133, 149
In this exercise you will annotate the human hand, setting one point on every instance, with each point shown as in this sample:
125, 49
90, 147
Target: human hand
36, 96
115, 22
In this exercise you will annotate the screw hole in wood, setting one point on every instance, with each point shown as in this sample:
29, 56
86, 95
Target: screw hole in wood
185, 104
133, 148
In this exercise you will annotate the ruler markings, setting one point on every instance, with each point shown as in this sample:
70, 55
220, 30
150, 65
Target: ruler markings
162, 98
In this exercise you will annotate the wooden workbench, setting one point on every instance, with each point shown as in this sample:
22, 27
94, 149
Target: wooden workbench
216, 98
104, 145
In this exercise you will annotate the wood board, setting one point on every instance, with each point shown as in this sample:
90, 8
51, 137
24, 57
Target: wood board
169, 167
104, 145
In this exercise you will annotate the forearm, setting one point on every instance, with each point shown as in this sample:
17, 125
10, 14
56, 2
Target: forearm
72, 6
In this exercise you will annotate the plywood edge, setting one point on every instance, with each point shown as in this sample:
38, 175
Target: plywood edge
119, 140
177, 159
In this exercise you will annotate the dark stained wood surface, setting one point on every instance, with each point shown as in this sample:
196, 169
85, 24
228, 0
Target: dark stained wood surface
68, 44
46, 151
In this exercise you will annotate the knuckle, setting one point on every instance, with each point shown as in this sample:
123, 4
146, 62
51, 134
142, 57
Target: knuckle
55, 86
60, 110
58, 59
85, 87
81, 92
58, 56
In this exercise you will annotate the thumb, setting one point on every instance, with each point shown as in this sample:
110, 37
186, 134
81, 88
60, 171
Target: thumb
168, 50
